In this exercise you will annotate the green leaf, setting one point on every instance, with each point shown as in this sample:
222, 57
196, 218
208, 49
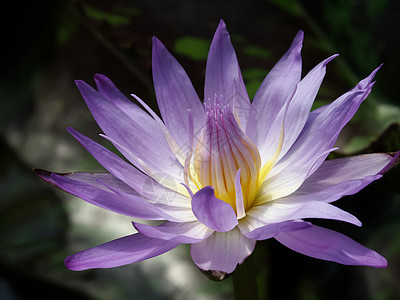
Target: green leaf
32, 219
192, 47
67, 26
99, 15
290, 6
254, 73
257, 51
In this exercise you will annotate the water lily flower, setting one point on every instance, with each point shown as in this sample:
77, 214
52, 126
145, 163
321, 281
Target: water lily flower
226, 172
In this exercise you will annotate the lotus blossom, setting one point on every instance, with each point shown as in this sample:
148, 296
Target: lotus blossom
224, 173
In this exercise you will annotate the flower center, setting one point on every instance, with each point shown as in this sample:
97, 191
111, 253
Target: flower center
221, 150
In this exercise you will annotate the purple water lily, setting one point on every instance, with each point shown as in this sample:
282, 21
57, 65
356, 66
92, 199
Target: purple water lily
227, 172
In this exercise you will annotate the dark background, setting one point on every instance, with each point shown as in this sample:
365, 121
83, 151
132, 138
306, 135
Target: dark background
48, 44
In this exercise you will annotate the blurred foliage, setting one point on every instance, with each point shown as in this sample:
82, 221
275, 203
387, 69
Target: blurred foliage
254, 50
99, 15
66, 29
31, 222
192, 47
33, 226
293, 7
388, 141
253, 78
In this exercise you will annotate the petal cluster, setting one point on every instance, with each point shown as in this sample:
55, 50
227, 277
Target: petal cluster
225, 172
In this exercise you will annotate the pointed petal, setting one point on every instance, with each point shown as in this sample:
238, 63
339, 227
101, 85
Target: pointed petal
330, 245
362, 85
171, 182
393, 162
140, 182
222, 251
342, 169
171, 205
129, 133
276, 90
300, 106
135, 207
276, 212
108, 89
123, 251
278, 186
112, 162
275, 135
315, 141
223, 77
329, 194
174, 212
183, 233
176, 150
256, 230
95, 179
175, 94
339, 177
104, 190
213, 212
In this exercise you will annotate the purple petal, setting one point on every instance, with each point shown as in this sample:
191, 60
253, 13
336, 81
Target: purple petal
329, 122
339, 170
282, 184
172, 205
277, 212
183, 233
107, 88
300, 106
395, 160
223, 77
167, 200
99, 180
222, 251
123, 251
331, 193
135, 206
275, 135
262, 232
339, 177
113, 163
364, 84
213, 212
174, 212
315, 141
276, 89
140, 182
154, 153
330, 245
175, 94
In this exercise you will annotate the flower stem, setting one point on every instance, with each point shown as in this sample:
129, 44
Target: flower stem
245, 281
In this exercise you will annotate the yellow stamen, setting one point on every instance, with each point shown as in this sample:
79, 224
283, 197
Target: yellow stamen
221, 150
